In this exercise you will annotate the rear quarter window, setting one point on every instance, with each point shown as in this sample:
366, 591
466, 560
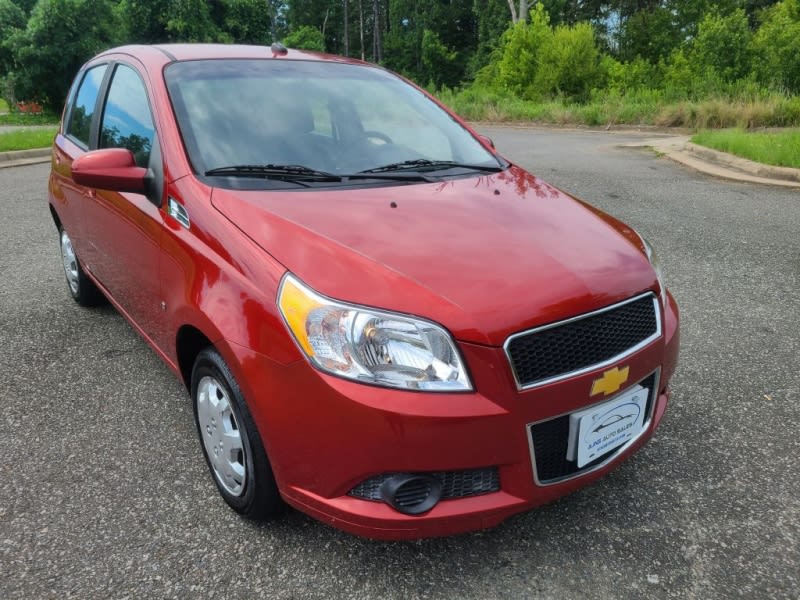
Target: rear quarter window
79, 125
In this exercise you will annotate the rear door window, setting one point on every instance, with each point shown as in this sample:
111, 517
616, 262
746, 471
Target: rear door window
127, 120
80, 121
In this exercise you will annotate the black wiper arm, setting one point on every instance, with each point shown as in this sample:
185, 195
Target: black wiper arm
431, 165
274, 171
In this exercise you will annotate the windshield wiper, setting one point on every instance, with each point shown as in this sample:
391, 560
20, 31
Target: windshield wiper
285, 172
420, 164
299, 173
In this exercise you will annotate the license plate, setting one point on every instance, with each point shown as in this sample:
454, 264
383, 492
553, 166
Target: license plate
604, 427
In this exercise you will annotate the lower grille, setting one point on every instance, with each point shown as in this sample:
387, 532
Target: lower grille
455, 484
550, 440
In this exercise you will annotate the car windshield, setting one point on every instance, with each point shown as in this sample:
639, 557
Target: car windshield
330, 117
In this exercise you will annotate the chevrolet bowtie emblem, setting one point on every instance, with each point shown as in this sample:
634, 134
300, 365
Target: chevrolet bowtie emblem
610, 382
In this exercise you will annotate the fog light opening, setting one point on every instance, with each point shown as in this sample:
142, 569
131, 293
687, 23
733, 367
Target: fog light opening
411, 494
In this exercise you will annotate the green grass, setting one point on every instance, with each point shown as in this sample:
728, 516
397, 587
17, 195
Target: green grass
25, 139
3, 106
18, 118
772, 148
647, 107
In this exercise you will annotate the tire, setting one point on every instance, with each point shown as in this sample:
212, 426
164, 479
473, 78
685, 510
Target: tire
230, 441
81, 288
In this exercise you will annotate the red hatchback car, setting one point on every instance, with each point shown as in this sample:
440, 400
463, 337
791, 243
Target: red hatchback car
380, 320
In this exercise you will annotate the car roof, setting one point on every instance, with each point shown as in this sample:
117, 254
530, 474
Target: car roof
178, 52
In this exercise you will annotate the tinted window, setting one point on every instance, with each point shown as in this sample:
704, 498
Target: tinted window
328, 116
127, 121
80, 122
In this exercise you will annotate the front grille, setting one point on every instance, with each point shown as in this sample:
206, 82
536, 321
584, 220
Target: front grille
455, 484
550, 440
562, 349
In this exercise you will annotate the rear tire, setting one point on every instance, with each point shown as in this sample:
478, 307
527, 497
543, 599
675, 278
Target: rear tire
81, 288
231, 443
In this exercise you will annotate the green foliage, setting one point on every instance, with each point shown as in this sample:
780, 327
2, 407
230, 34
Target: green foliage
722, 46
492, 19
59, 37
438, 61
143, 21
538, 61
249, 22
190, 21
777, 47
305, 38
12, 21
20, 118
589, 61
569, 63
650, 35
520, 53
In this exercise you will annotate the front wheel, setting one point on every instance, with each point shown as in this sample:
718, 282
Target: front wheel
231, 443
81, 288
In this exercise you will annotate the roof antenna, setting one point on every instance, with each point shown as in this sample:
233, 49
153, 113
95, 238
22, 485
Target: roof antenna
278, 48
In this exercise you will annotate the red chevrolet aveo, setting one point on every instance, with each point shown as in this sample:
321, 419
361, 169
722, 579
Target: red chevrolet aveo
380, 320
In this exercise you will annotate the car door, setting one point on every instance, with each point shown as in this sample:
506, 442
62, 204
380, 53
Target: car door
123, 228
74, 140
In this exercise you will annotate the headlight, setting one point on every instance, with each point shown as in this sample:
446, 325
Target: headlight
653, 258
369, 345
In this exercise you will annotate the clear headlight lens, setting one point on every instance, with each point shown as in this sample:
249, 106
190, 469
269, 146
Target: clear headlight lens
653, 258
371, 346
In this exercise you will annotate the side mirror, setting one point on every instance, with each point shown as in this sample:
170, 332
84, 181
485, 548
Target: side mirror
486, 140
110, 169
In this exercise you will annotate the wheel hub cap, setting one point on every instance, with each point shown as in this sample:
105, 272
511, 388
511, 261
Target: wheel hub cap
70, 262
221, 435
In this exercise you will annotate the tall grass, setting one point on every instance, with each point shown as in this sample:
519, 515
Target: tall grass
642, 107
780, 148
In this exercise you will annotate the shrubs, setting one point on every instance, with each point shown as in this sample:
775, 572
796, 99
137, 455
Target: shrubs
725, 75
776, 46
537, 61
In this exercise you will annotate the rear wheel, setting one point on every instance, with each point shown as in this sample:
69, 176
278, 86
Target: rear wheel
81, 288
231, 443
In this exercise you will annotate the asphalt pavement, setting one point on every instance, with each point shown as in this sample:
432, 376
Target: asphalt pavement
104, 492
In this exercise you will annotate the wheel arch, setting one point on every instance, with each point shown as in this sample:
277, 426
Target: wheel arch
189, 342
54, 215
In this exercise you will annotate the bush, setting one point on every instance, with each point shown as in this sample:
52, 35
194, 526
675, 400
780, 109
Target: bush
777, 47
305, 38
569, 63
437, 61
722, 45
520, 53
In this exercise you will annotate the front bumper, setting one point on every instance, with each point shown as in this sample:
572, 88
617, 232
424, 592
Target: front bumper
325, 435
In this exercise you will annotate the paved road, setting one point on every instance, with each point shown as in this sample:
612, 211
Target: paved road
103, 491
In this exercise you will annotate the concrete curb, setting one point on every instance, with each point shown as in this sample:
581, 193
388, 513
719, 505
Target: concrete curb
720, 164
742, 164
17, 158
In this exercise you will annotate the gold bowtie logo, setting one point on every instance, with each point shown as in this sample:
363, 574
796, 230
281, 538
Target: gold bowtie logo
611, 381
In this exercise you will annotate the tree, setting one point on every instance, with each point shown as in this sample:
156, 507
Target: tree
723, 45
12, 22
520, 54
776, 45
246, 21
59, 37
569, 63
305, 38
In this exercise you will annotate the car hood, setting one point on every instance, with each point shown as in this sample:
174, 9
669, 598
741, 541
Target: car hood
485, 256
